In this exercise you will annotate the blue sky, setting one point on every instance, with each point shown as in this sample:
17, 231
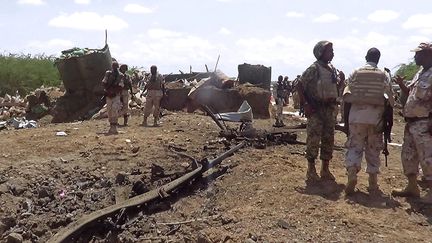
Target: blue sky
175, 34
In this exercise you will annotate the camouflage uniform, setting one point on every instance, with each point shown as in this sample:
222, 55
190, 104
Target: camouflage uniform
125, 95
113, 83
321, 123
417, 144
280, 98
365, 133
153, 98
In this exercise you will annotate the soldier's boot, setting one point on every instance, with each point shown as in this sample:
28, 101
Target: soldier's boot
411, 190
373, 183
325, 171
352, 180
155, 122
144, 123
113, 129
311, 174
125, 117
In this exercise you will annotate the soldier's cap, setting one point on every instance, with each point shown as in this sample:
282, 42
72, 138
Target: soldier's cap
320, 47
423, 46
123, 65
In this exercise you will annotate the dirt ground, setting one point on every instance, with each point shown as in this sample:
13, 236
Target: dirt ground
256, 195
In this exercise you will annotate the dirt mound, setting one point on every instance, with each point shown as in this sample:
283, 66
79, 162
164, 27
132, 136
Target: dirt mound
258, 99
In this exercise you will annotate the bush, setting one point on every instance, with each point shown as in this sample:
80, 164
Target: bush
24, 73
408, 70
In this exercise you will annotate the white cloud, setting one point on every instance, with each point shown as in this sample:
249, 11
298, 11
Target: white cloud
51, 43
326, 18
383, 16
224, 31
419, 21
31, 2
137, 8
416, 39
294, 14
162, 33
82, 1
88, 21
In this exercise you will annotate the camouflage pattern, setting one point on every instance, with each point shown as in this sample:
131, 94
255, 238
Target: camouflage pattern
419, 102
320, 128
364, 137
417, 145
114, 107
319, 48
153, 99
417, 148
279, 109
310, 79
125, 102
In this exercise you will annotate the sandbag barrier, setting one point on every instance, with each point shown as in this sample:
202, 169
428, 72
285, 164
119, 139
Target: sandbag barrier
72, 230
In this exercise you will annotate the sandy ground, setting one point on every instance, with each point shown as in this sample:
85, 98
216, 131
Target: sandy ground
256, 195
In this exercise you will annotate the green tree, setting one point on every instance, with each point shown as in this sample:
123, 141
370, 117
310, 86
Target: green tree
408, 70
24, 73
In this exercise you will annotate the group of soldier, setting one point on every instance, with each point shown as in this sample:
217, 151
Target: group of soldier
367, 113
118, 87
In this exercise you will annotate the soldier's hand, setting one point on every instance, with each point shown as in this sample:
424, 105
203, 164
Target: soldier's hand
308, 110
398, 79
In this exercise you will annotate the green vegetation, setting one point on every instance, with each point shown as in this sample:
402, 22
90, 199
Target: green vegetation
408, 70
26, 73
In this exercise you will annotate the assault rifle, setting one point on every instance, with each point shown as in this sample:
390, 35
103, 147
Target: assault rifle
387, 126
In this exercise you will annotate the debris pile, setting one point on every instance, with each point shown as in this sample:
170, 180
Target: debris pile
81, 75
23, 112
217, 91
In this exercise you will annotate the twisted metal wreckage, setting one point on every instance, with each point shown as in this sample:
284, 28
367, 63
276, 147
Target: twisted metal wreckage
245, 135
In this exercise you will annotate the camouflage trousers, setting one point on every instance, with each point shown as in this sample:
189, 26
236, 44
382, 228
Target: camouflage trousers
364, 138
417, 149
320, 128
296, 100
114, 107
125, 102
153, 99
279, 109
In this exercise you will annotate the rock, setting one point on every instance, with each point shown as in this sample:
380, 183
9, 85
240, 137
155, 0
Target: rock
202, 239
135, 150
9, 221
283, 224
120, 178
44, 192
14, 238
249, 241
3, 228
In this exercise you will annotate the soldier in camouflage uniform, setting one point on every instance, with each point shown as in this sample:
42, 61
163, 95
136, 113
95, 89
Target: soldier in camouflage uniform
417, 144
317, 91
125, 93
113, 84
364, 99
280, 98
155, 87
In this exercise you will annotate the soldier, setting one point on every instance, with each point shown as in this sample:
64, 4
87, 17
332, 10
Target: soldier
125, 93
280, 96
155, 87
317, 91
364, 99
287, 87
113, 85
417, 144
296, 99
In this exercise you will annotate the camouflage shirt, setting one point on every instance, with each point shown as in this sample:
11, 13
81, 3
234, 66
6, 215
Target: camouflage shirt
310, 77
419, 102
127, 82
